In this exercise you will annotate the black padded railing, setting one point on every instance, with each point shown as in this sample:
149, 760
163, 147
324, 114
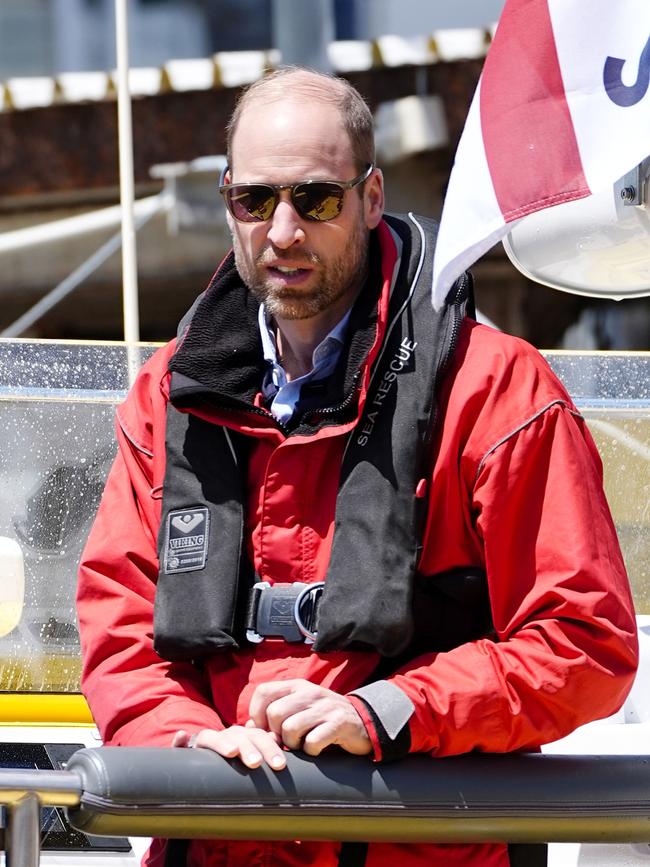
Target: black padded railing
180, 793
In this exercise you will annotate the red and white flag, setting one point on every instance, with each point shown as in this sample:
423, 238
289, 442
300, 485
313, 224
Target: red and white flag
562, 110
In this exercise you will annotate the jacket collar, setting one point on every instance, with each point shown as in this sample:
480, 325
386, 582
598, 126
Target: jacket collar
220, 360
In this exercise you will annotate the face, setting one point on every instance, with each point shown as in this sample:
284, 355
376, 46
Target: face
301, 268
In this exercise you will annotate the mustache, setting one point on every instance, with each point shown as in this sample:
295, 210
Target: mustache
266, 257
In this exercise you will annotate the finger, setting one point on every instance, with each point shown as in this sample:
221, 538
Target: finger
231, 743
340, 733
250, 724
282, 704
269, 749
219, 742
252, 746
289, 706
265, 694
319, 738
296, 727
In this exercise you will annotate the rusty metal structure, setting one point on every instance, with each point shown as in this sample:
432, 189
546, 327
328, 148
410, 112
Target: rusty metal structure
59, 158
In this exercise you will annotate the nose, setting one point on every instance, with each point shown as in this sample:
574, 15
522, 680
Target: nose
285, 229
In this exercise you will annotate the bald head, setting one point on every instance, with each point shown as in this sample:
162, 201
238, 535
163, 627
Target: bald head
292, 84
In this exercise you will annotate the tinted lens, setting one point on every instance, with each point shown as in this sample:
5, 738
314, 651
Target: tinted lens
318, 201
250, 203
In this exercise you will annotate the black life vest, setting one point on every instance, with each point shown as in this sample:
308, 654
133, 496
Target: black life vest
372, 577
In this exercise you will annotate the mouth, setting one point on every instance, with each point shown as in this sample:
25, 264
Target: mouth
288, 274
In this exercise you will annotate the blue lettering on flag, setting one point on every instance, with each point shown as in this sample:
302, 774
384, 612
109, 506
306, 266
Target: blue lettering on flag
623, 94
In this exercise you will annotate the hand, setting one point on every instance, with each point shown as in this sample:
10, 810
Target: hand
305, 716
250, 744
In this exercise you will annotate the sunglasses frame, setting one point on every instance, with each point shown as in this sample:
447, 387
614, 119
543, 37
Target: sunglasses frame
276, 189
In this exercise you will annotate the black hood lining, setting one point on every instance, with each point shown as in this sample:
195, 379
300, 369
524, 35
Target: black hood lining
221, 350
220, 360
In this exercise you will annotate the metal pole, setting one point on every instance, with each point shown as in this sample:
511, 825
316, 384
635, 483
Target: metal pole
155, 204
69, 227
23, 845
302, 31
125, 143
52, 788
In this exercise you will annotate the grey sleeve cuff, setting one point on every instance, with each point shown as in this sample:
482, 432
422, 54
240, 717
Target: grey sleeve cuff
391, 710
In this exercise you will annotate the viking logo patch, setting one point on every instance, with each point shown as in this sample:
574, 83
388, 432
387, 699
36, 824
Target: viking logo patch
187, 521
186, 540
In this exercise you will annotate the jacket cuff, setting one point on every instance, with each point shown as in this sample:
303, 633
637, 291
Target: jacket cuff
389, 710
362, 709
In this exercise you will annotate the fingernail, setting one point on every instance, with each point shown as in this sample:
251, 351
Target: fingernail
254, 758
277, 762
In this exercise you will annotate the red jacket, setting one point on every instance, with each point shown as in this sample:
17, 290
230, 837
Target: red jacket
515, 485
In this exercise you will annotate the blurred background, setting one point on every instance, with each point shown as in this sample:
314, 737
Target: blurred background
416, 62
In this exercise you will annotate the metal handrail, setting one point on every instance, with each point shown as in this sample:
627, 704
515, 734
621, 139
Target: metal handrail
52, 788
23, 793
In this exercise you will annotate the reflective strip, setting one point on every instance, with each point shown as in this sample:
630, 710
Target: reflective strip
134, 442
520, 427
392, 706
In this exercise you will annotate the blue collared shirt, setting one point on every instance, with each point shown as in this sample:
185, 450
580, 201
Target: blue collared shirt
285, 395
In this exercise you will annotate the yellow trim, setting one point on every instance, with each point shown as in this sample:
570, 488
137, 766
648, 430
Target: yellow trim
44, 709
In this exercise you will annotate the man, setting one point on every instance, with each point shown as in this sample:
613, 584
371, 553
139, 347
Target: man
317, 422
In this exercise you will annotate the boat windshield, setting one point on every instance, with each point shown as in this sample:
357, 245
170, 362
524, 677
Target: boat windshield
57, 403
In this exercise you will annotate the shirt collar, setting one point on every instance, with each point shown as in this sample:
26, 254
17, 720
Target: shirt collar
269, 346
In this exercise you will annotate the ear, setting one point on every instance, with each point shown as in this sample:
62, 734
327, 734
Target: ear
226, 178
373, 199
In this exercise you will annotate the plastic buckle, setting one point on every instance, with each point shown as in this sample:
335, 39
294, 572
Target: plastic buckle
305, 611
285, 611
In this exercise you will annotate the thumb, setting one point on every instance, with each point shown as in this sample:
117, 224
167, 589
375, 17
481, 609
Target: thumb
180, 739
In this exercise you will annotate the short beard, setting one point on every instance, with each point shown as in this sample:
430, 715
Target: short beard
344, 275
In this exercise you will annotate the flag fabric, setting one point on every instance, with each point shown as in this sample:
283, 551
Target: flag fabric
561, 111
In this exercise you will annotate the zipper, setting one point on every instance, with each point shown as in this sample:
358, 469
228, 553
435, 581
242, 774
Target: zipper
452, 339
331, 410
460, 292
253, 410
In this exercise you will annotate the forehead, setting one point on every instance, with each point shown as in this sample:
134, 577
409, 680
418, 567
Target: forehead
289, 137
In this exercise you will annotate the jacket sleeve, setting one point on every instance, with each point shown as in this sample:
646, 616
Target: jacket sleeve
136, 697
564, 647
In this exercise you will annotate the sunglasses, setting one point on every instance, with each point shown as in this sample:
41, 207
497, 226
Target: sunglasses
313, 200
